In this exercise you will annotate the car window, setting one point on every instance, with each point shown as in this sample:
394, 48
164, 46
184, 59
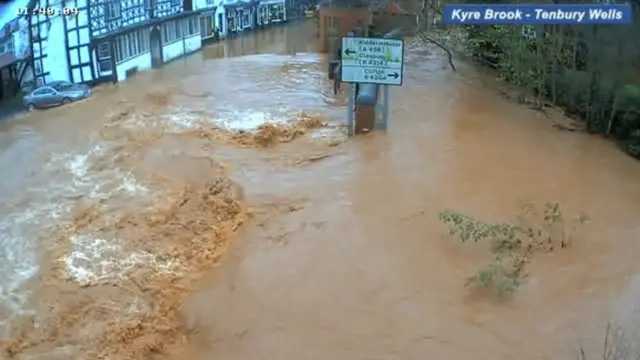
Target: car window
62, 86
43, 91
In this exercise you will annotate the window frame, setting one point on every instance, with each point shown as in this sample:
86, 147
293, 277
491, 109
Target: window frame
112, 9
179, 29
103, 50
169, 32
246, 18
132, 44
37, 64
104, 65
276, 12
192, 26
62, 86
49, 90
7, 47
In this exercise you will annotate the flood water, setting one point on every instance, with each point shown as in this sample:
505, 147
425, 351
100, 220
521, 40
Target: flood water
342, 256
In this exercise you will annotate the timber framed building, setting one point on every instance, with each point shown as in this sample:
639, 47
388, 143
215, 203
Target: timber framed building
96, 41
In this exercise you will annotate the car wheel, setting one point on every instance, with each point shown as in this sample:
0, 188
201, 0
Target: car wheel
66, 101
31, 107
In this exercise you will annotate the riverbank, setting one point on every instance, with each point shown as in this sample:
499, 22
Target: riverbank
569, 74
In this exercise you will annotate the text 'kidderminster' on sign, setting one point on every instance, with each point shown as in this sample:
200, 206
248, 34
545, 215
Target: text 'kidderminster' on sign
578, 14
372, 61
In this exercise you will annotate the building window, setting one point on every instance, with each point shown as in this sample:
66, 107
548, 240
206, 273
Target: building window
103, 50
191, 26
170, 32
207, 26
264, 15
143, 40
112, 9
276, 13
211, 2
134, 48
38, 66
104, 57
179, 27
132, 44
6, 47
231, 23
34, 32
246, 18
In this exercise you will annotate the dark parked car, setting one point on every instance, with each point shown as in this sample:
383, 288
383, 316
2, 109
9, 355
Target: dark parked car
54, 94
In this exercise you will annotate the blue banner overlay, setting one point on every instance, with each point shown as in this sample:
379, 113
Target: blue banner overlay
577, 14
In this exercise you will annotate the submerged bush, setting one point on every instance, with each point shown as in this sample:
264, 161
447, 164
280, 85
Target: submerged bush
617, 346
513, 244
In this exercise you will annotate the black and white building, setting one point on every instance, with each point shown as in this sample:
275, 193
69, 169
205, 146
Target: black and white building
15, 57
211, 20
94, 41
240, 15
271, 12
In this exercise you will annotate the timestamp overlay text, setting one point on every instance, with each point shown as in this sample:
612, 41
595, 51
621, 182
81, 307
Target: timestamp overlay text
577, 14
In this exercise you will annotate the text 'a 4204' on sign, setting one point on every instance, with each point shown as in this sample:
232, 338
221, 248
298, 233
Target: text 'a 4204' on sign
375, 74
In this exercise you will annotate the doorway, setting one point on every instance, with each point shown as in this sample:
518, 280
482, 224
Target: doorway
155, 43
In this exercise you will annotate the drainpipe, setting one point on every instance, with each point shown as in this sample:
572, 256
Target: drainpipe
32, 54
184, 42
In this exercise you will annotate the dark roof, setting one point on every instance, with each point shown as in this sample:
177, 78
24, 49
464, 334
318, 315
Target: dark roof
240, 3
7, 59
343, 3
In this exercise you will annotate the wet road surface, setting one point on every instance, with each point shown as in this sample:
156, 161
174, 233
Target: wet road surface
342, 255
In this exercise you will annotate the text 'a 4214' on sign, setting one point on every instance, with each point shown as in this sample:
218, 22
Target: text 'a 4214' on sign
372, 62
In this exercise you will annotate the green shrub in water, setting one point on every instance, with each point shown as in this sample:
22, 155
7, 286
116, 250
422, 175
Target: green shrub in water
513, 244
617, 345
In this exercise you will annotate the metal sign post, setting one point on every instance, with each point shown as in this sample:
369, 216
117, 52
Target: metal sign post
376, 61
385, 109
351, 104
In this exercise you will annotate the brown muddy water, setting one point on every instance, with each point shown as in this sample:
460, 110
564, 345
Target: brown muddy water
116, 210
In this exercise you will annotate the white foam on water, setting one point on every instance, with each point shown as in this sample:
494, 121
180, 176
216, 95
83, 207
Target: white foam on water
246, 120
131, 185
179, 119
330, 132
93, 259
66, 179
18, 256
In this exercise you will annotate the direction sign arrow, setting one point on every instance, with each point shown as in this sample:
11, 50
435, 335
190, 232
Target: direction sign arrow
349, 52
393, 75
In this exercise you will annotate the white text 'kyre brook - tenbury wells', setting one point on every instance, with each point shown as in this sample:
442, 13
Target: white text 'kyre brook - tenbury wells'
535, 14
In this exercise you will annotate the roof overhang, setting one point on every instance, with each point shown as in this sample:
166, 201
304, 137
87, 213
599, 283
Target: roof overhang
7, 59
241, 4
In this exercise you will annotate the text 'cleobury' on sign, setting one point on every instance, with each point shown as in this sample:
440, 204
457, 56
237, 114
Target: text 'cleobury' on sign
372, 60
